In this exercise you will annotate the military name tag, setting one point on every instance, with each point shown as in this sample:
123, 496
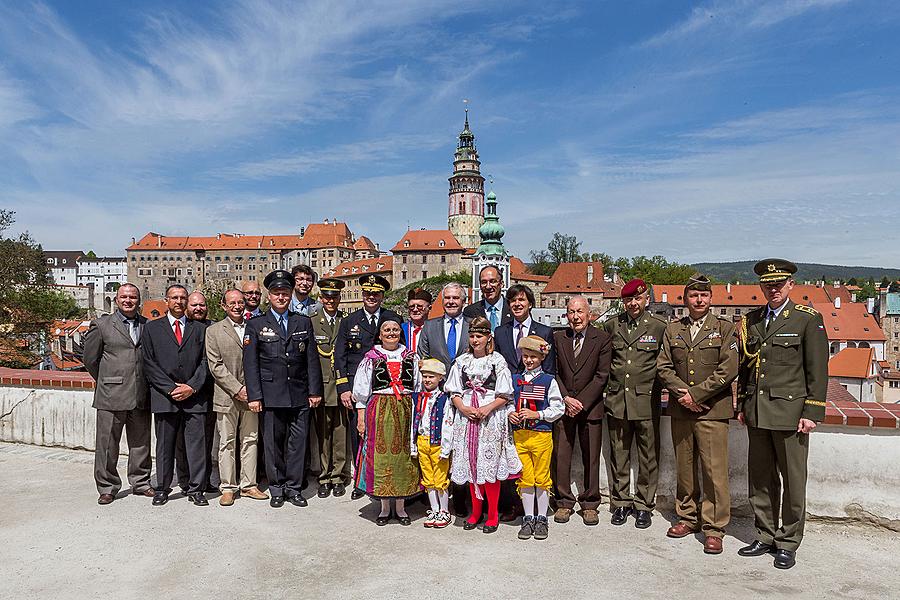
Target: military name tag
648, 339
787, 334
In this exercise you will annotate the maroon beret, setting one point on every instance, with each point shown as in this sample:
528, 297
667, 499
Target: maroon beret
633, 288
420, 294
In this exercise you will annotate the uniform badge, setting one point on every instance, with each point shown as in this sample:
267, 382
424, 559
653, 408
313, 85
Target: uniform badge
246, 340
715, 335
647, 339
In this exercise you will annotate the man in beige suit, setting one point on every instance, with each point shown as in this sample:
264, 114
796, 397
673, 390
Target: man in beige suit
236, 419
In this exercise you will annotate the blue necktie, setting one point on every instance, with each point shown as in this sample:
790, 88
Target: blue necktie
451, 340
493, 317
284, 324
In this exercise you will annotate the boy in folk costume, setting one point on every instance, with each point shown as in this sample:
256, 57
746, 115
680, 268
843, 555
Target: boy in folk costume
538, 402
432, 425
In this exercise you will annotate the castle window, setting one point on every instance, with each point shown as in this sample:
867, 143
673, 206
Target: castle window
406, 243
462, 207
441, 243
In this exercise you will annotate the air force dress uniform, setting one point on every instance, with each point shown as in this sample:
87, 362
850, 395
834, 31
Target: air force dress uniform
281, 368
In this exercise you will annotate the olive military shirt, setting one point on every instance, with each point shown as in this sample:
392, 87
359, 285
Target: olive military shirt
633, 391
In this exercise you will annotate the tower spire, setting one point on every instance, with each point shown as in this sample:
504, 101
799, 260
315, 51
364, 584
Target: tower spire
466, 199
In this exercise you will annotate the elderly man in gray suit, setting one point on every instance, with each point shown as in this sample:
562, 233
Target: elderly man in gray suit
112, 355
447, 336
236, 419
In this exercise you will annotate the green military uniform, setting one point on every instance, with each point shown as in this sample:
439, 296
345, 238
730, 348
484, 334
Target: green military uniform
633, 407
705, 362
783, 378
330, 416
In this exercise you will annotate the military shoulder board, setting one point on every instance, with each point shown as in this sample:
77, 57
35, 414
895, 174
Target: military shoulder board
806, 309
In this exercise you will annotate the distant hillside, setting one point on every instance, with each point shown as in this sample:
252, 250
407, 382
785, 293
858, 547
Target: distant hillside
743, 272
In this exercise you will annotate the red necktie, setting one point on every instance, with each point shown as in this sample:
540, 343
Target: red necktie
178, 331
415, 337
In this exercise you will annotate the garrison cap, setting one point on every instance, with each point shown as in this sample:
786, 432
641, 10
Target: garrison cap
433, 365
773, 270
633, 288
279, 279
374, 283
534, 343
331, 287
698, 282
420, 294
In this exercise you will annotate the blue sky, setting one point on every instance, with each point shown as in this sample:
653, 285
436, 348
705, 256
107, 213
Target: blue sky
700, 131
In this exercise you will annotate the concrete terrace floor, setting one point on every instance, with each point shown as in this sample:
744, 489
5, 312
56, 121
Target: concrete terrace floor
58, 543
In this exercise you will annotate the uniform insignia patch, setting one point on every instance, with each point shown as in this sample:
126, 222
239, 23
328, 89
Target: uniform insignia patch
648, 339
806, 309
246, 340
733, 347
714, 335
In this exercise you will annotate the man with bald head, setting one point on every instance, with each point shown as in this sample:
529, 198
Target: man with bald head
583, 356
252, 299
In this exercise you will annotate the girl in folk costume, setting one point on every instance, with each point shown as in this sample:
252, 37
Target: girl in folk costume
432, 425
480, 387
382, 391
538, 402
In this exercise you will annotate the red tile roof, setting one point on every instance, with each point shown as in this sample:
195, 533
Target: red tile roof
740, 295
849, 322
149, 307
68, 327
380, 264
364, 243
519, 271
317, 235
852, 362
572, 278
427, 239
838, 393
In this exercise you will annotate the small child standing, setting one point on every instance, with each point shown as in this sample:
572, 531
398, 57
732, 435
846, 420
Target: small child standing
430, 427
538, 402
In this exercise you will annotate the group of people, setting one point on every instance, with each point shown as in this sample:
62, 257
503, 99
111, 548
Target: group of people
481, 406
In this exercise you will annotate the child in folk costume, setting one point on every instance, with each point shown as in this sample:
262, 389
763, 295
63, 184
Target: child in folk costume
480, 388
538, 402
431, 425
382, 390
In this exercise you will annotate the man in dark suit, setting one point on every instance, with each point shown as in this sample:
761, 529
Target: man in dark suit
112, 355
447, 336
583, 356
520, 299
175, 365
281, 371
357, 335
418, 303
491, 306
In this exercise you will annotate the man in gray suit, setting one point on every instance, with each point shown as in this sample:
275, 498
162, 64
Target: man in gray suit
112, 355
446, 337
236, 418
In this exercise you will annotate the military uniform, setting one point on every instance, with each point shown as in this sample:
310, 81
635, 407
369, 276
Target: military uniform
356, 336
705, 364
282, 370
783, 378
330, 416
633, 407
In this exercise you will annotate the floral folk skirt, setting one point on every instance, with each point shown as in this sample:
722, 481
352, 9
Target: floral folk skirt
385, 467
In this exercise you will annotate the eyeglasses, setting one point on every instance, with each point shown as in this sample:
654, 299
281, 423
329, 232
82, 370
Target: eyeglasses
416, 307
252, 293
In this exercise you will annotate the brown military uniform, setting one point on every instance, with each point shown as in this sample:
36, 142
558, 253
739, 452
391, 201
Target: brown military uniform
705, 365
633, 407
783, 378
330, 417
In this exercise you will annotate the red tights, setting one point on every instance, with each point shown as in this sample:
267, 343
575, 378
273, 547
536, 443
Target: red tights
491, 490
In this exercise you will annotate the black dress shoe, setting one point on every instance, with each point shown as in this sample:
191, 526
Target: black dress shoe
160, 498
199, 499
276, 501
469, 526
642, 519
382, 521
406, 521
620, 515
338, 490
324, 490
356, 494
489, 528
757, 548
784, 559
297, 500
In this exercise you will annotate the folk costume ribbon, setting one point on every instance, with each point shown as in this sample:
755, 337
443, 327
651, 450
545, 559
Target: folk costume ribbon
478, 389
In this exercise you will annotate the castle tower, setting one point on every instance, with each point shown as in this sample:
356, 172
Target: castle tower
491, 251
465, 212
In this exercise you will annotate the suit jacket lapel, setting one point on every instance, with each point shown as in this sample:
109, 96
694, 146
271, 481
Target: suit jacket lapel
119, 325
189, 327
228, 326
779, 322
567, 352
276, 326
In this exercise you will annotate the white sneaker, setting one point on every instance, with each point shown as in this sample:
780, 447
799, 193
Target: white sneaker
430, 516
442, 520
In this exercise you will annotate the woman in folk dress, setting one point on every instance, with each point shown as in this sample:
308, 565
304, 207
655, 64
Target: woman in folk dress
382, 388
480, 387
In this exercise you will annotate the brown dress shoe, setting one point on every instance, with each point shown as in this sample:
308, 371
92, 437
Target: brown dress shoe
255, 493
590, 516
562, 515
680, 530
149, 493
227, 498
712, 545
105, 499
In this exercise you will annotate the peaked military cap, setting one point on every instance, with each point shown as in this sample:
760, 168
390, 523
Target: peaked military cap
279, 279
331, 287
374, 283
698, 282
633, 288
773, 270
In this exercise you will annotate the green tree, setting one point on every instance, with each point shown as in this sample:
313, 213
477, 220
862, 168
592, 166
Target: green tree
542, 263
852, 281
654, 270
90, 254
564, 248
